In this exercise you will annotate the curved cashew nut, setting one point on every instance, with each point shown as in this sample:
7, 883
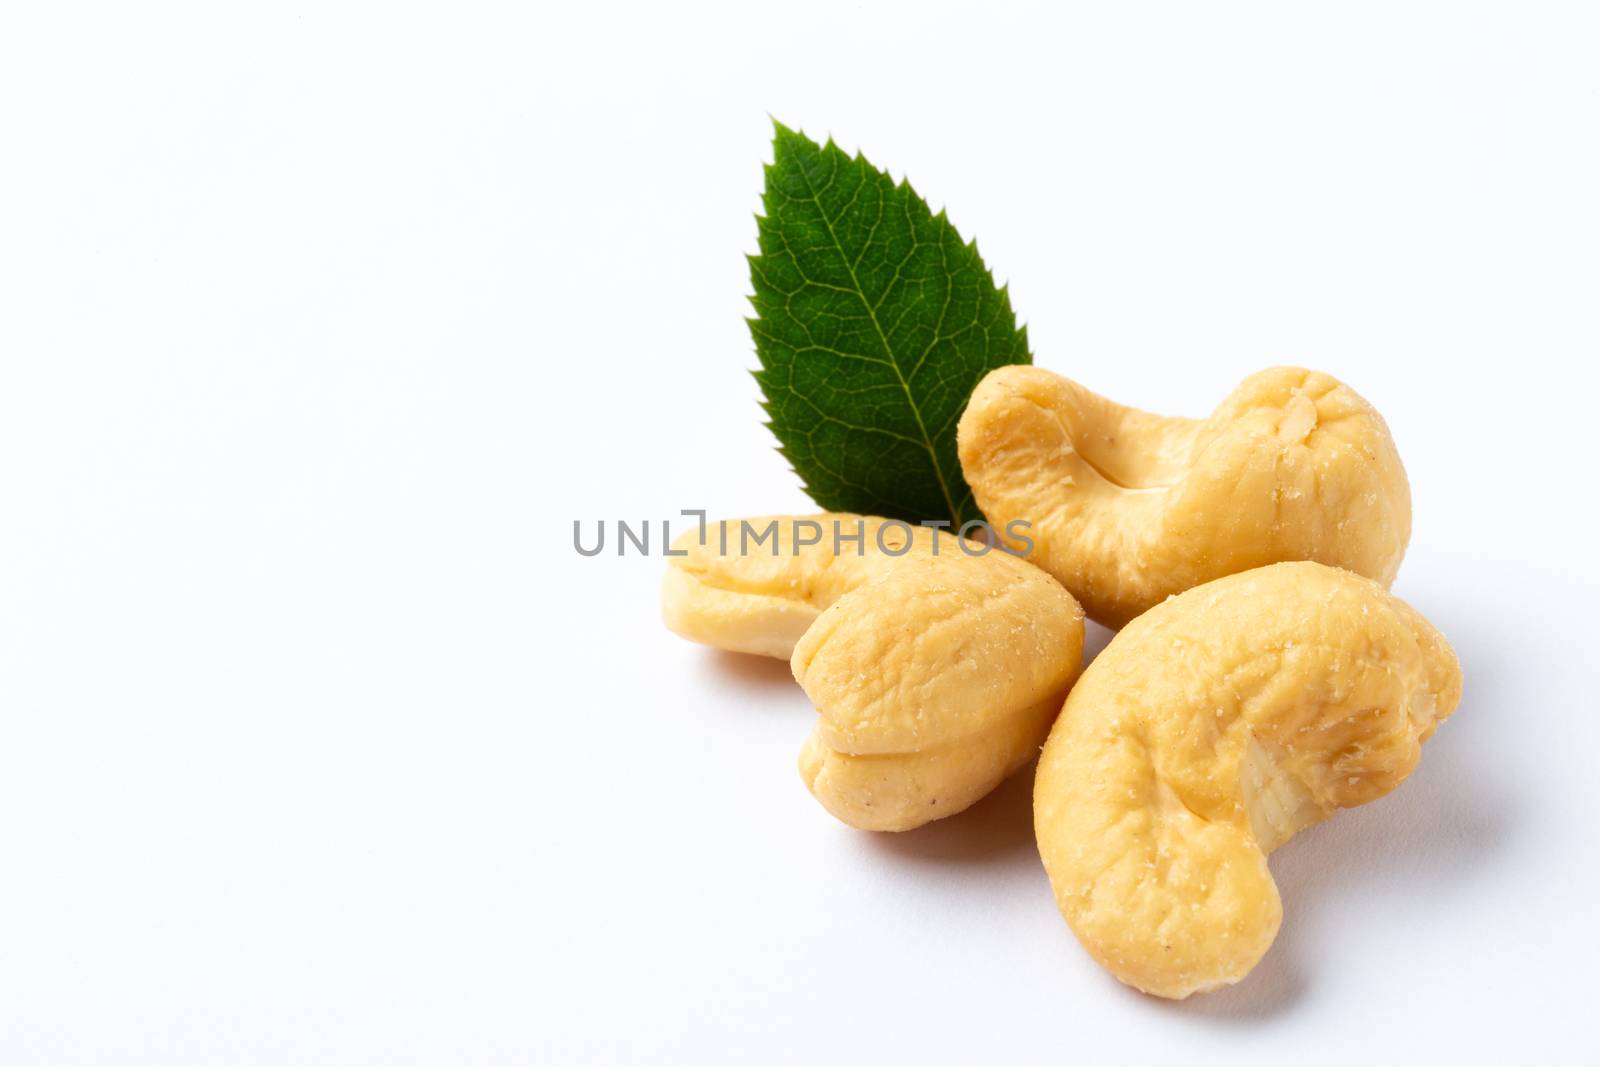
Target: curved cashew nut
935, 674
934, 683
1211, 729
1128, 508
755, 585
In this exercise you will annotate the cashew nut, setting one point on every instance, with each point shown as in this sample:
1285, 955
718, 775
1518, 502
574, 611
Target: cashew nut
934, 682
1211, 729
755, 585
1128, 508
935, 674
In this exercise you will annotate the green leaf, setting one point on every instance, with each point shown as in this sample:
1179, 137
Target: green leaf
874, 323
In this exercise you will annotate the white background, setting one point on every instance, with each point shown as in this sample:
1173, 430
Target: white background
319, 743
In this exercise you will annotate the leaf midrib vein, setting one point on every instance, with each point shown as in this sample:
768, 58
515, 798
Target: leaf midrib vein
872, 315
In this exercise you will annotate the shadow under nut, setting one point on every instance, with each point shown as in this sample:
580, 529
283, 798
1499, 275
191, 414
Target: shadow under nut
932, 684
1210, 730
1127, 508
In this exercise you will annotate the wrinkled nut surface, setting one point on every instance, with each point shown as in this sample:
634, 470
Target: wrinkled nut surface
1128, 508
935, 674
1211, 729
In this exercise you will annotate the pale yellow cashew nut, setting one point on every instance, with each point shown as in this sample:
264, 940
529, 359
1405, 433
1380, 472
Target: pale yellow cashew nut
1209, 731
935, 675
755, 585
1127, 508
934, 683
